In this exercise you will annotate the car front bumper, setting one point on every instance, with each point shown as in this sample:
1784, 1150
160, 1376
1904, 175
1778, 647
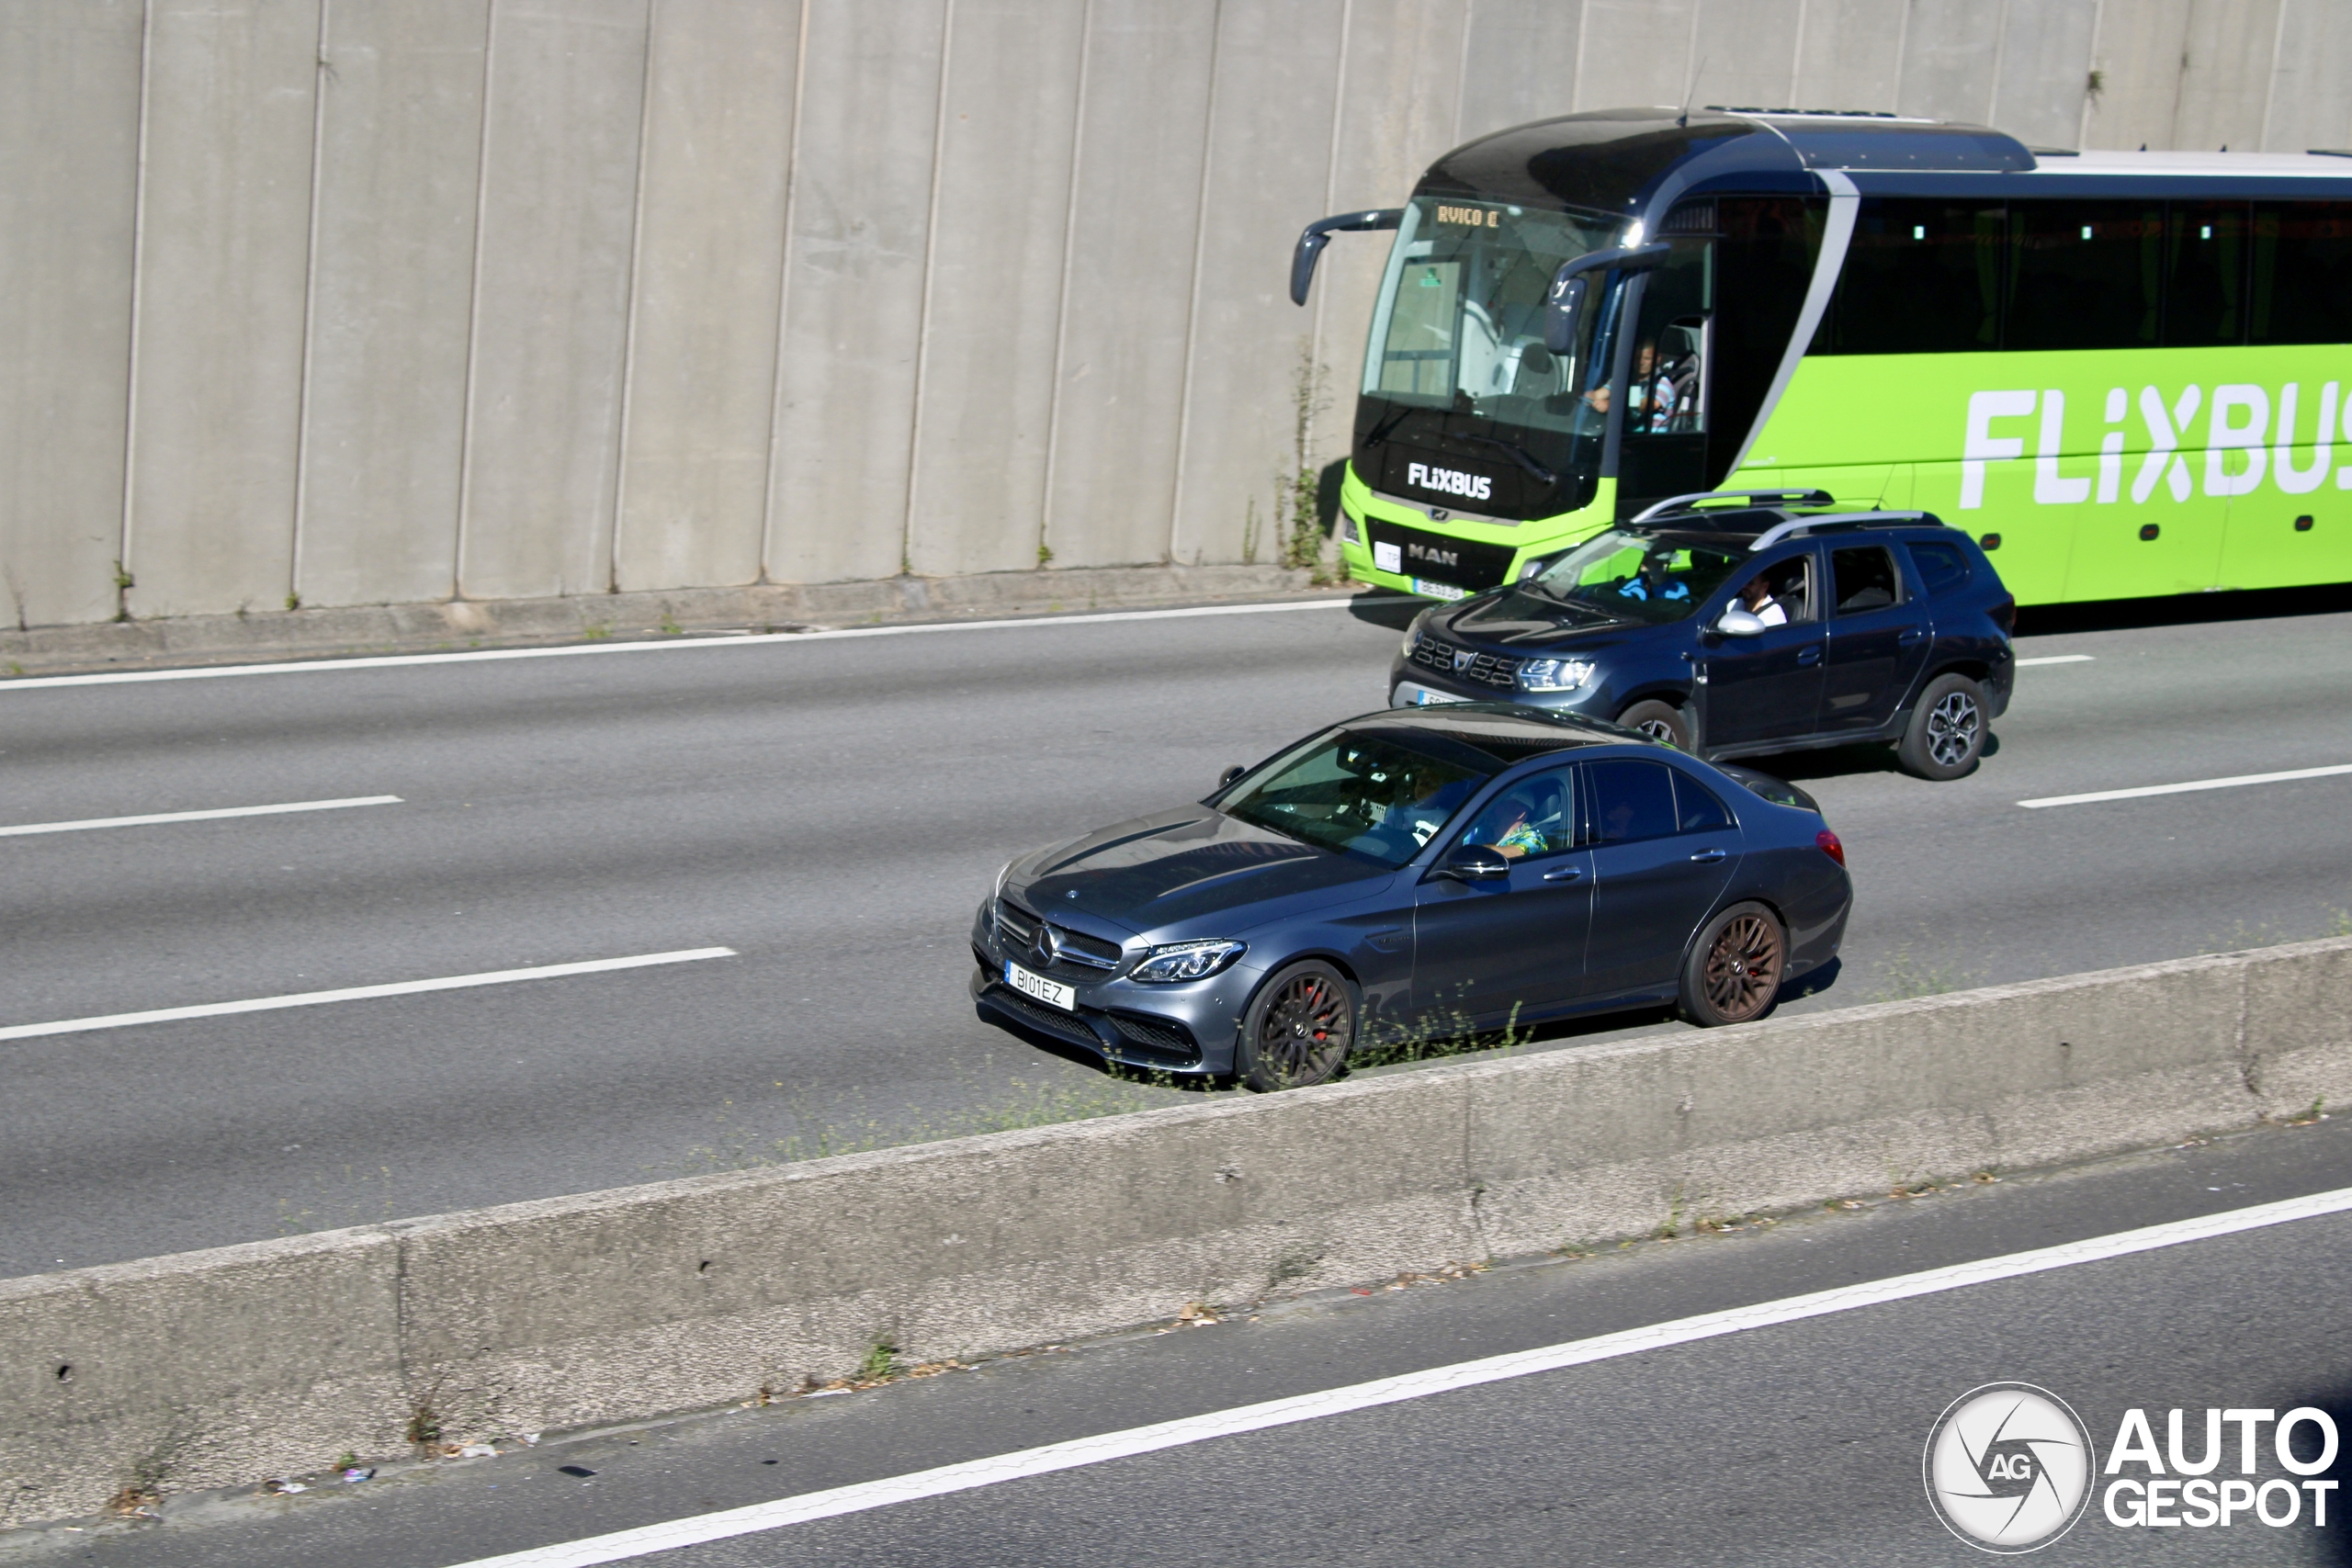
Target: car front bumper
1186, 1029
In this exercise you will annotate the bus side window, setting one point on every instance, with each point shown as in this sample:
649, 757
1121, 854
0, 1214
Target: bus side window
2205, 262
2302, 272
1921, 277
2082, 275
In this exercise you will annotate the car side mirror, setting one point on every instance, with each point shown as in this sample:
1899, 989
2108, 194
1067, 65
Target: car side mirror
1231, 776
1736, 622
1474, 863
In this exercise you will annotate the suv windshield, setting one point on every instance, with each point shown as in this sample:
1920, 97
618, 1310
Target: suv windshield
1364, 795
1648, 577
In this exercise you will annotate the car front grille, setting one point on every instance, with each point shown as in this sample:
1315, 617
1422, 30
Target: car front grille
1016, 928
1042, 1019
1498, 671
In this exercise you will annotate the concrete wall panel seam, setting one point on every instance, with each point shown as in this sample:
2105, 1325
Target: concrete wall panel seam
309, 312
635, 292
783, 294
464, 520
930, 273
137, 272
1192, 292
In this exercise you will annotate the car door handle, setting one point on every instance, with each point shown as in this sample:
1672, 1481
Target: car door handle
1811, 655
1911, 635
1564, 873
1708, 857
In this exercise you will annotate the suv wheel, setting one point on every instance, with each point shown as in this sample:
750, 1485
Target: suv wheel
1946, 736
1659, 721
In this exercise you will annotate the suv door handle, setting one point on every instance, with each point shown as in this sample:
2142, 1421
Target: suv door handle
1708, 857
1809, 655
1564, 873
1911, 635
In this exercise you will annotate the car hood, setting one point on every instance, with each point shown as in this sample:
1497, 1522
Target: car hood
1514, 617
1155, 872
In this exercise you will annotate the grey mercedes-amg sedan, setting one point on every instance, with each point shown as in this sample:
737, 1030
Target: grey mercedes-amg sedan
1481, 864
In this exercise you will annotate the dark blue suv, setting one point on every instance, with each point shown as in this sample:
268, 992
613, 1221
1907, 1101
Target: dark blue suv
1743, 623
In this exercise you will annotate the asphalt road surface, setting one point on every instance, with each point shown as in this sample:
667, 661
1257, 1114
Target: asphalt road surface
830, 811
1796, 1440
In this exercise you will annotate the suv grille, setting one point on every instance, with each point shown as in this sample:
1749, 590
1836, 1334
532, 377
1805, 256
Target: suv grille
1017, 929
1497, 670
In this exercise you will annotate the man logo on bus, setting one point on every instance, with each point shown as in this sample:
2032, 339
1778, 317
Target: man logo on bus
1430, 556
1450, 481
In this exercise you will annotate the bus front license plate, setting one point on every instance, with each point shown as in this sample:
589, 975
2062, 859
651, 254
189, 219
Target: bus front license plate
1038, 986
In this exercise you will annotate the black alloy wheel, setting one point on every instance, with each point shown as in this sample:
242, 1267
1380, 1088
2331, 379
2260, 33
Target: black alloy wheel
1735, 970
1946, 736
1660, 721
1298, 1029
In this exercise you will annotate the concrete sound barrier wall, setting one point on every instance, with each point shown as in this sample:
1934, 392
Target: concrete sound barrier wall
214, 1367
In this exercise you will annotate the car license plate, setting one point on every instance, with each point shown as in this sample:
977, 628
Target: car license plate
1038, 986
1428, 589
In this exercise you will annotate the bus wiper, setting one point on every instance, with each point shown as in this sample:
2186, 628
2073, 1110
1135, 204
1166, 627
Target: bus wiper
1517, 453
1380, 432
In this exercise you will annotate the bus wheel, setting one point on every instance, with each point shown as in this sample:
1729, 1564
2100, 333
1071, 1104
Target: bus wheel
1945, 734
1659, 721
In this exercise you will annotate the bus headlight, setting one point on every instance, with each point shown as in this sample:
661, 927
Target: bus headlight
1554, 674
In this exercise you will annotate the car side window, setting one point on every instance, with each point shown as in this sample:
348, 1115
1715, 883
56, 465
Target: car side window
1696, 809
1781, 593
1941, 566
1631, 800
1532, 818
1866, 579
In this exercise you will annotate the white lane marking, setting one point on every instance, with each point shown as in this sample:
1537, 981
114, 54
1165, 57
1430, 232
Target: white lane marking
646, 1539
2057, 659
89, 822
2291, 773
391, 660
360, 993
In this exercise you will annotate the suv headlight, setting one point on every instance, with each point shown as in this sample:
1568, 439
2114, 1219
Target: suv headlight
1554, 674
1187, 961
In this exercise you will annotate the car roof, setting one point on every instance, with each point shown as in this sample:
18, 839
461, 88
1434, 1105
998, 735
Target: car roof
1504, 732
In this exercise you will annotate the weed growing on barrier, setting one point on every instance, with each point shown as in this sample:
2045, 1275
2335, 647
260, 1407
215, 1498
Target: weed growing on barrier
881, 1362
1445, 1030
1902, 977
1298, 489
2339, 923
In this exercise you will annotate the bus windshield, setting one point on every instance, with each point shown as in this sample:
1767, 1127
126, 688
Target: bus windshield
1460, 322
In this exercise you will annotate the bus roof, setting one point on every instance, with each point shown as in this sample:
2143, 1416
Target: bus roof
1639, 162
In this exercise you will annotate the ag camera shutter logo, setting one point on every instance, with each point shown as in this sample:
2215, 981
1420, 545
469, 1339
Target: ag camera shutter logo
2008, 1467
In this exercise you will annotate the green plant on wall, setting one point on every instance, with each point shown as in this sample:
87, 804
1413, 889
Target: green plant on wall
1302, 542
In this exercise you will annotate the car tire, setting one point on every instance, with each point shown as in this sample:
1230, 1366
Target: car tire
1736, 967
1945, 738
1659, 721
1298, 1029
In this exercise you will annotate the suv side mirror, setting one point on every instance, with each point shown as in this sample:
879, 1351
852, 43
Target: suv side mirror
1474, 863
1736, 622
1231, 776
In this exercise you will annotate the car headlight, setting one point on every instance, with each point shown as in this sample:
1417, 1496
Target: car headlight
1411, 638
1187, 961
1554, 674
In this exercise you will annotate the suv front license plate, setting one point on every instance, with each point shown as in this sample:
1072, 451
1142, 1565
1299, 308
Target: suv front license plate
1038, 986
1430, 589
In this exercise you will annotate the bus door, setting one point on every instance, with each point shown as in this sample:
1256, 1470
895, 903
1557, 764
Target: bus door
1664, 446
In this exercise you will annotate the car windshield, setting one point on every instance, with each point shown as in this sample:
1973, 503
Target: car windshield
1364, 795
1649, 578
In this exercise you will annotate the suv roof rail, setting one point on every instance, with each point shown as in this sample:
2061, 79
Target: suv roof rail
1751, 497
1843, 522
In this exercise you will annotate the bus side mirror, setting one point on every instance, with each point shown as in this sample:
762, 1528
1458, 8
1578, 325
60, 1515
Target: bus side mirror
1561, 308
1318, 233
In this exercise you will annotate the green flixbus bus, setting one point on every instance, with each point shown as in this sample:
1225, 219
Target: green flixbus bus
2127, 373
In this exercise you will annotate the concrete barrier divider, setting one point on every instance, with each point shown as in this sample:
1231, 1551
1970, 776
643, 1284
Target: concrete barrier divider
214, 1367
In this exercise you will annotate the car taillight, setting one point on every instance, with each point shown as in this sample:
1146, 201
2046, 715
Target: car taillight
2005, 615
1828, 844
